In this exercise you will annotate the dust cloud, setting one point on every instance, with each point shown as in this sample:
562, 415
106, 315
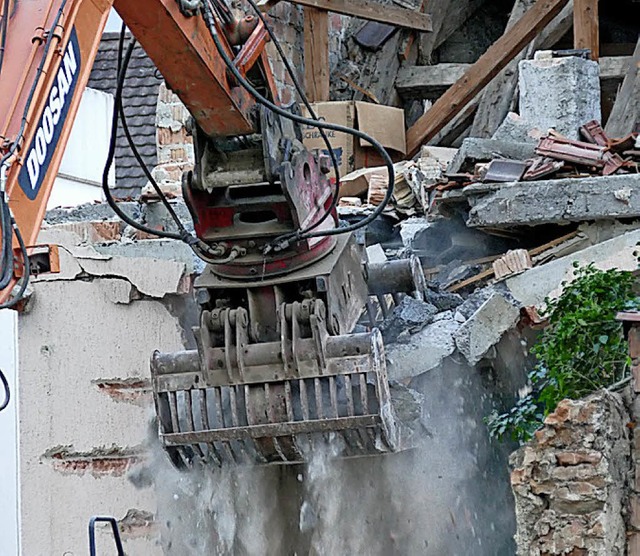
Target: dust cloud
448, 495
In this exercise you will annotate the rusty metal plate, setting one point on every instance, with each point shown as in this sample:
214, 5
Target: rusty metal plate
503, 170
373, 34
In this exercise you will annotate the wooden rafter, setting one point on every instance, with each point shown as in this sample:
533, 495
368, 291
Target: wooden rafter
316, 54
586, 26
366, 9
482, 72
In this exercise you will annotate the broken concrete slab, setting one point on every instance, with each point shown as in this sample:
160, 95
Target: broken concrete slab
475, 150
116, 290
410, 316
553, 201
443, 300
485, 327
172, 261
514, 128
533, 286
166, 249
559, 93
424, 351
166, 278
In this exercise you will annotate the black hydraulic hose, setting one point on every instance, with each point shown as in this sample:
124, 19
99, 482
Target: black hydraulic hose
135, 151
7, 391
6, 249
208, 16
314, 116
111, 154
26, 270
200, 248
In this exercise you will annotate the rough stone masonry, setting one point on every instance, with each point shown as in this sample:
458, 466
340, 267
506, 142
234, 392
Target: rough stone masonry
569, 483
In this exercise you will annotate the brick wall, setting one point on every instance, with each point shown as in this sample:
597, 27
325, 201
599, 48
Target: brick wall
287, 23
633, 533
577, 483
570, 484
174, 146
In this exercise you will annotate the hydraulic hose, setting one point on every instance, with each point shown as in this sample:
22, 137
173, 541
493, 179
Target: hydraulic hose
282, 242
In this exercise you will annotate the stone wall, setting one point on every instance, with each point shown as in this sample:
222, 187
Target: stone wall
633, 522
570, 482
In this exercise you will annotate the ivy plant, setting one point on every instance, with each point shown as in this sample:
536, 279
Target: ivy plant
580, 351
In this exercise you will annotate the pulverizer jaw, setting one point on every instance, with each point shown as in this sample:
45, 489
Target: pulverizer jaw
264, 403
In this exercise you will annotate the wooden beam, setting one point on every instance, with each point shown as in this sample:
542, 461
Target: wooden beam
454, 129
614, 68
432, 81
495, 100
367, 9
316, 54
586, 26
498, 98
482, 72
625, 114
428, 81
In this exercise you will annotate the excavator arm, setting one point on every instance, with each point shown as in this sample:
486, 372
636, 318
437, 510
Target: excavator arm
276, 363
48, 52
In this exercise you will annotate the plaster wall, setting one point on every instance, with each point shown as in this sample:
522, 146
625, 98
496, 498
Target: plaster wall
8, 436
85, 402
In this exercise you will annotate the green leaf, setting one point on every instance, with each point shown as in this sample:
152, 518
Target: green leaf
582, 349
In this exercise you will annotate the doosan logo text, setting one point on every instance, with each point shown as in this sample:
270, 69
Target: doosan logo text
52, 121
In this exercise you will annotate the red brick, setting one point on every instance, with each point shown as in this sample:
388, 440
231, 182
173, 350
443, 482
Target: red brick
635, 371
518, 476
560, 415
576, 458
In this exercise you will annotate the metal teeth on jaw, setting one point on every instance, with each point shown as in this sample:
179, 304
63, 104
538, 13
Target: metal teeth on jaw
272, 422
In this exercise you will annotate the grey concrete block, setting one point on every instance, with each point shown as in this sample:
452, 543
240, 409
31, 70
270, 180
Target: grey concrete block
486, 326
515, 128
425, 350
559, 93
155, 214
531, 287
554, 201
475, 150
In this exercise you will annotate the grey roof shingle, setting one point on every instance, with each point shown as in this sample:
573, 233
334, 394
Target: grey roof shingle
139, 97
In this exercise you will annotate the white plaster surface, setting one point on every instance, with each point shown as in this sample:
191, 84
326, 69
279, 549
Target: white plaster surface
8, 436
77, 332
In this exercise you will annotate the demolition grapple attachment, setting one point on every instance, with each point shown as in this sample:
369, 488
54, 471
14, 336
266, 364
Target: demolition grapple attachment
270, 397
276, 368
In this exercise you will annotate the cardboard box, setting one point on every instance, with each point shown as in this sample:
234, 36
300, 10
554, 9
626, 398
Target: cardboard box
383, 123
